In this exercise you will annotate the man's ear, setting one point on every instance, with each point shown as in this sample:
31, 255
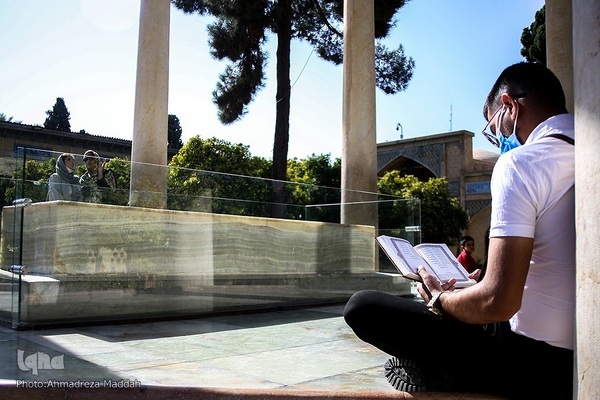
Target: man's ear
510, 104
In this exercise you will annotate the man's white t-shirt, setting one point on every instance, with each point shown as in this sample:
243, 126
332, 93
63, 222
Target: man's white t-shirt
533, 196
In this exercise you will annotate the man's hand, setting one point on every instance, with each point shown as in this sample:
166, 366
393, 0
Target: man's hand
101, 164
475, 274
431, 285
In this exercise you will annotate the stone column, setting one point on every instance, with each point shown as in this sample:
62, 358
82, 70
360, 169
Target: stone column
559, 44
586, 68
150, 126
359, 144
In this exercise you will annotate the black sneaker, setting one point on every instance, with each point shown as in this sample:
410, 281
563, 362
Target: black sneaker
405, 375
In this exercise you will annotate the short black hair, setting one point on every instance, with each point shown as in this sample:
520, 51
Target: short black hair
527, 79
465, 239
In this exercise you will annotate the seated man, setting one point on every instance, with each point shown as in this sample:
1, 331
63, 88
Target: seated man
512, 333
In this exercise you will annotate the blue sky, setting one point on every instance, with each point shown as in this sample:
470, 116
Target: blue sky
86, 50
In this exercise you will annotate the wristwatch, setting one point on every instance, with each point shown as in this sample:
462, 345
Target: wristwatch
435, 306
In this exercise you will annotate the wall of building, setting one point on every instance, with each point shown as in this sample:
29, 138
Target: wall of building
44, 143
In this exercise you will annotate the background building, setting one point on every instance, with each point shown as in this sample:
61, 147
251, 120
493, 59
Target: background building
450, 155
40, 143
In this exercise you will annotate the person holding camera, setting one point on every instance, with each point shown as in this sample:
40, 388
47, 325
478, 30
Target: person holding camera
96, 179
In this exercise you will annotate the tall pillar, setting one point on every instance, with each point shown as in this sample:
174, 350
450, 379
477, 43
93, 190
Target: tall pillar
559, 44
359, 143
586, 67
150, 126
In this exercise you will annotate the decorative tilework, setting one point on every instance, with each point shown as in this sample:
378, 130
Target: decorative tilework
429, 156
454, 189
474, 206
478, 187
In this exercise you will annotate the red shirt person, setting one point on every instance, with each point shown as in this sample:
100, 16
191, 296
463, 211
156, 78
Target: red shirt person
467, 244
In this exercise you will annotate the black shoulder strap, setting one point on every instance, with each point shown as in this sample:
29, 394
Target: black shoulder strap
562, 137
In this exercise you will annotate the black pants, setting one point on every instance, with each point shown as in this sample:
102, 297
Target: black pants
477, 358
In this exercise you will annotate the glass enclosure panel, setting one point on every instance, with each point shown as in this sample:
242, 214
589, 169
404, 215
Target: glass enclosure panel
10, 273
218, 242
396, 217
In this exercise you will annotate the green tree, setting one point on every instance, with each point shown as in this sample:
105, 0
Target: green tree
175, 131
442, 217
239, 34
317, 185
6, 182
213, 174
58, 118
122, 170
4, 118
34, 182
533, 39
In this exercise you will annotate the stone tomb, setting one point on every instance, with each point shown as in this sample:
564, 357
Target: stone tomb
111, 262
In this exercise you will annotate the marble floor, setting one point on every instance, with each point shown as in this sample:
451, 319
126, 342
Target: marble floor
307, 349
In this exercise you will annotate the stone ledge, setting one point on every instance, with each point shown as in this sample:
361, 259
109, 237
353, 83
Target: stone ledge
35, 290
11, 392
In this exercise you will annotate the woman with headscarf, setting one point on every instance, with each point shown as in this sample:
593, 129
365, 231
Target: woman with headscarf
63, 184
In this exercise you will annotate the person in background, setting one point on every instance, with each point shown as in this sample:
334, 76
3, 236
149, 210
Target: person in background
96, 179
467, 245
64, 184
513, 332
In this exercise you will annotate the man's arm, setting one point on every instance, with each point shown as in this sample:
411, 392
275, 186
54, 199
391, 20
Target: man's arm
498, 296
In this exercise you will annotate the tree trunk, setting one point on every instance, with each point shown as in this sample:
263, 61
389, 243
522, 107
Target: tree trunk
282, 118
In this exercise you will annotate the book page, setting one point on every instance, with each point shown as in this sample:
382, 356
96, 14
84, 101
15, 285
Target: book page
442, 262
408, 254
402, 255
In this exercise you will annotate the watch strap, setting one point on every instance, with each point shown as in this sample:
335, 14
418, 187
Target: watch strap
435, 305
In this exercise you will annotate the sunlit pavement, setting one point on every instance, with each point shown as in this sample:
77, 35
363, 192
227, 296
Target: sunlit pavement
306, 349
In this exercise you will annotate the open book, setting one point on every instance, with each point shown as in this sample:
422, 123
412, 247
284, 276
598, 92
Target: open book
436, 258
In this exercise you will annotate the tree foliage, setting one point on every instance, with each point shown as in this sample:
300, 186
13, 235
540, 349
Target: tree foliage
239, 34
213, 175
316, 184
175, 131
316, 170
5, 118
533, 39
32, 184
58, 118
442, 217
218, 155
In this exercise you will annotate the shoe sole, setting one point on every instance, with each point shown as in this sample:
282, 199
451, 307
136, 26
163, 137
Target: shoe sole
404, 375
